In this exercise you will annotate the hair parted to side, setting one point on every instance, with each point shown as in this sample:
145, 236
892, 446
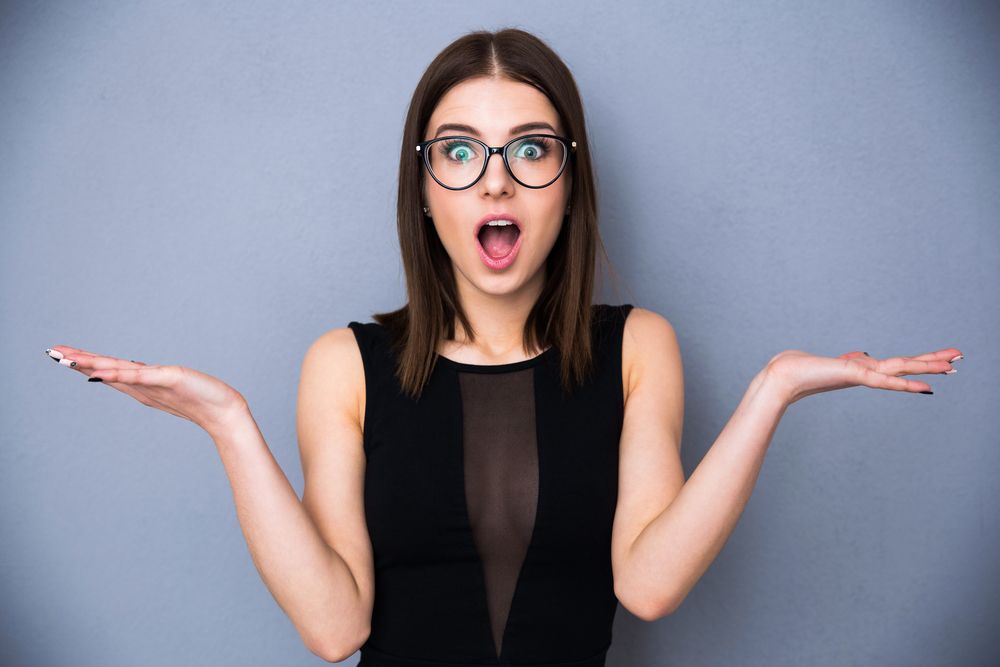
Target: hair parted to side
562, 315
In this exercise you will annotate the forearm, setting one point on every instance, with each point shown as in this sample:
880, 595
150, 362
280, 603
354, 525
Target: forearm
675, 549
311, 583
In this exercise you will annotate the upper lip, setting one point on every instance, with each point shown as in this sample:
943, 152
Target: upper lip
497, 216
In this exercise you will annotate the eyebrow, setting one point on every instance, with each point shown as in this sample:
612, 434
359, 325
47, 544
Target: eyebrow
468, 129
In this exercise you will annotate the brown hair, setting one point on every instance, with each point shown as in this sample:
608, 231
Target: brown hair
561, 316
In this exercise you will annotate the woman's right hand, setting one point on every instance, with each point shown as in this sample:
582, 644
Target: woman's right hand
205, 400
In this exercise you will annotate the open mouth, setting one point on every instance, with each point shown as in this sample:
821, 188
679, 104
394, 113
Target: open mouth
498, 238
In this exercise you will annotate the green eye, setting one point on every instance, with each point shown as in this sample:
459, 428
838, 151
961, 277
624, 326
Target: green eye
532, 149
458, 151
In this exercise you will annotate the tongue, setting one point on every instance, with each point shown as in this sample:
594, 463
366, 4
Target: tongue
498, 241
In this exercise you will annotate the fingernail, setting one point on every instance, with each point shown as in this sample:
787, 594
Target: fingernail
55, 354
953, 370
961, 356
927, 392
67, 362
94, 380
867, 355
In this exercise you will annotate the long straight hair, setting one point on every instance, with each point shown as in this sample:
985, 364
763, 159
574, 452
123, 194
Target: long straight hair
561, 317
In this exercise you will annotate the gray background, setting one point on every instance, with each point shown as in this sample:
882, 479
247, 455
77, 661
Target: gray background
213, 184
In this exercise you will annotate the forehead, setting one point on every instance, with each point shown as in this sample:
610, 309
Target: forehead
493, 106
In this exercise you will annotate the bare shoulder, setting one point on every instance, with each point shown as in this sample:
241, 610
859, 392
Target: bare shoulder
649, 346
332, 371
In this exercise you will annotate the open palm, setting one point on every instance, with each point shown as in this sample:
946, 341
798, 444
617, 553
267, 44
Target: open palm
181, 391
802, 374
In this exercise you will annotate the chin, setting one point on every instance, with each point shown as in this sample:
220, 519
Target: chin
500, 283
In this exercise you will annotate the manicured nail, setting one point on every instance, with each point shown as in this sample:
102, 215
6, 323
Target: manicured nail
55, 354
867, 355
94, 380
67, 362
927, 392
961, 356
953, 370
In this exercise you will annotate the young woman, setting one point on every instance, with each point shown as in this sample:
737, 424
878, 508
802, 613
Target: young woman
492, 468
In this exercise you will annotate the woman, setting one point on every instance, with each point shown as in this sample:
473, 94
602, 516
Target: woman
492, 468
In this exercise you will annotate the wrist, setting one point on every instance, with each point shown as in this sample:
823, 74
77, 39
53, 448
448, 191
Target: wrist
228, 422
772, 388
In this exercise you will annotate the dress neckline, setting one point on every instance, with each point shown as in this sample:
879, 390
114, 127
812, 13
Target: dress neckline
497, 368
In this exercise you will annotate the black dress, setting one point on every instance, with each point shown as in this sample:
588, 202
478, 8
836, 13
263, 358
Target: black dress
489, 503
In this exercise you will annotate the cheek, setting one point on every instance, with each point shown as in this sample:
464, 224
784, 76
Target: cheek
453, 237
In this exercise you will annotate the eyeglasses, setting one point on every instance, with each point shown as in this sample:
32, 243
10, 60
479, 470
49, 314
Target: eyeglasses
534, 160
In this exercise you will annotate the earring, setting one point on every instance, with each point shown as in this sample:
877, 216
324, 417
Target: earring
425, 210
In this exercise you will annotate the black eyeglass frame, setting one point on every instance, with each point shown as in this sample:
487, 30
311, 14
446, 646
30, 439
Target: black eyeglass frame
568, 144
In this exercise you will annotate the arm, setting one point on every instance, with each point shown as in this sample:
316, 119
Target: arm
668, 531
674, 550
315, 555
308, 579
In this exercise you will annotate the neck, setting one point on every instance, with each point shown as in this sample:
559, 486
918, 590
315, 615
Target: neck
497, 319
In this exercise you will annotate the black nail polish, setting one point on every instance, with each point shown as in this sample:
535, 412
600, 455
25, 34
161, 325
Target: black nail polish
927, 392
866, 354
94, 380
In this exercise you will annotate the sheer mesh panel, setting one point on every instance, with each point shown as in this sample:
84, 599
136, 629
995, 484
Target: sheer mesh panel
501, 479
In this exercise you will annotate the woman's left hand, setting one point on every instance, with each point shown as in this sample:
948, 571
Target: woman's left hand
801, 374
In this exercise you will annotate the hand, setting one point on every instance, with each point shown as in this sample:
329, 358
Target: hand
801, 374
184, 392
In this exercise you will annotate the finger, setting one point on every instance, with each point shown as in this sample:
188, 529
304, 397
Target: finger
912, 366
947, 354
853, 355
66, 350
879, 380
80, 360
139, 376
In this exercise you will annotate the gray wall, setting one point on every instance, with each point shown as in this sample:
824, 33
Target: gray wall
212, 184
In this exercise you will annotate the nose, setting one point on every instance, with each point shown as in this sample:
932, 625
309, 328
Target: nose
496, 181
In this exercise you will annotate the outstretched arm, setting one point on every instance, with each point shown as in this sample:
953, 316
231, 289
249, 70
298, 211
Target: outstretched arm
667, 530
313, 555
675, 548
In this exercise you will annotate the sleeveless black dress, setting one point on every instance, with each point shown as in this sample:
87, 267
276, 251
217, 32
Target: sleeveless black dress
489, 503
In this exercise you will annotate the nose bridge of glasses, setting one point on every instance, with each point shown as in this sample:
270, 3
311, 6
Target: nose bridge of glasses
498, 151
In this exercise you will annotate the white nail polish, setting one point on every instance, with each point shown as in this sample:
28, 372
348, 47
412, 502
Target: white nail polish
67, 362
961, 356
951, 371
55, 354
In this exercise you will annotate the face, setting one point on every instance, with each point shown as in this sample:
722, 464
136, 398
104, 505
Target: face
493, 107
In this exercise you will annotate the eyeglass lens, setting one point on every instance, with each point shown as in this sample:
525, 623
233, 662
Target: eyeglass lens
534, 160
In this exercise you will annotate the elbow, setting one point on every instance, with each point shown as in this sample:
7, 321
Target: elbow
333, 652
650, 613
333, 649
648, 609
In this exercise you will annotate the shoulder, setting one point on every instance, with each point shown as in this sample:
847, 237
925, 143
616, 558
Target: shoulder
333, 372
336, 345
649, 345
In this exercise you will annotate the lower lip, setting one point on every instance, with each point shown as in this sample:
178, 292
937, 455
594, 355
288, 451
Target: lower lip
503, 262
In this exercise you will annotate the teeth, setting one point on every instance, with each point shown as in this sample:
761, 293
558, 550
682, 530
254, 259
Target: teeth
499, 223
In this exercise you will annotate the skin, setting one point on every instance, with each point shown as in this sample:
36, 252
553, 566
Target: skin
667, 530
496, 302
